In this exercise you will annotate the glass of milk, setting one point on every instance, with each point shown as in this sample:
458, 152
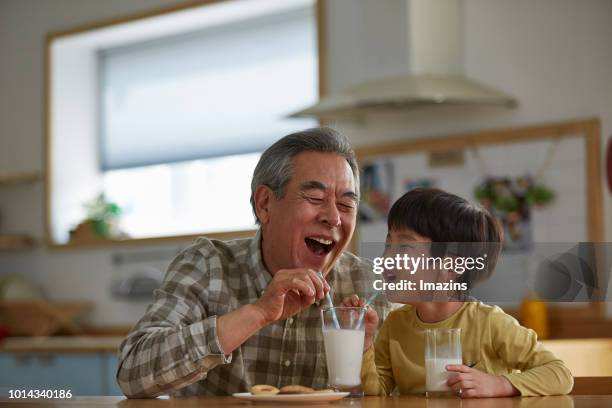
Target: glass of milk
343, 335
442, 347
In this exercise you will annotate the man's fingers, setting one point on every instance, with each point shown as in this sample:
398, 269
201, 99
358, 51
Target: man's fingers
318, 284
302, 281
326, 287
303, 287
307, 287
458, 368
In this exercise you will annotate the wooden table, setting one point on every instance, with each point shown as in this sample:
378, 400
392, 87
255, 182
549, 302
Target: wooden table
570, 401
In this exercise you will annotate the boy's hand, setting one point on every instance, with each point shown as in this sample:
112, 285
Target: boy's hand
370, 320
473, 383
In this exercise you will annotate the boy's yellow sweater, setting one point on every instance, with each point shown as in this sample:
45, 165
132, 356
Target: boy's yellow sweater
490, 338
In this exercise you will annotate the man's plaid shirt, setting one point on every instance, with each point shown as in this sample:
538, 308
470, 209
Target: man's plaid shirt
174, 348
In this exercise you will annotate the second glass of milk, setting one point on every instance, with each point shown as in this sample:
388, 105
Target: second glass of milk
343, 335
442, 347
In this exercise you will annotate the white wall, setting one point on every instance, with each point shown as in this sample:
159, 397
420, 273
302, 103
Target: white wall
69, 274
554, 56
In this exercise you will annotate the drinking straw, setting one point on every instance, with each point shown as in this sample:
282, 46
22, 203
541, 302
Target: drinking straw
331, 304
363, 311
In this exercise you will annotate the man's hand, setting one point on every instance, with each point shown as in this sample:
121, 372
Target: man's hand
290, 291
370, 320
473, 383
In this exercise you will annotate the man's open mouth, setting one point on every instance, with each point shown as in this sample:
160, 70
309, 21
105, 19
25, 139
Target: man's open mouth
319, 245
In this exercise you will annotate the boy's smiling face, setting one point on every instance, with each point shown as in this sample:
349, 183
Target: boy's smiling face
405, 242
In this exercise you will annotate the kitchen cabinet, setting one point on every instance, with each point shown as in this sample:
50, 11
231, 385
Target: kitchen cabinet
82, 373
110, 364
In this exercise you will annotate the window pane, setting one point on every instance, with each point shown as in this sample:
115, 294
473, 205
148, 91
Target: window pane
187, 198
225, 90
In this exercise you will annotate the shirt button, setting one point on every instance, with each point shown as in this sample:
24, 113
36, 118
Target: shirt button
287, 363
291, 320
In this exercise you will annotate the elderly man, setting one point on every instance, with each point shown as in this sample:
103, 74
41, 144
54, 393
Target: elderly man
233, 314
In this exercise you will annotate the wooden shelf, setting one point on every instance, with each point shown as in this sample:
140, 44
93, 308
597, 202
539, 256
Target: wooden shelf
62, 344
41, 317
16, 177
15, 241
152, 240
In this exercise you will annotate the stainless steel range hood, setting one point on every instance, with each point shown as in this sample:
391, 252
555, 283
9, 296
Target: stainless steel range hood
434, 40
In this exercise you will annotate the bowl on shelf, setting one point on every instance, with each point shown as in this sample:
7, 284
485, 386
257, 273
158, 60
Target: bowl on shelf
24, 311
41, 317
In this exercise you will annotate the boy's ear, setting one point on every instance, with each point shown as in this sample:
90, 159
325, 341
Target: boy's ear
263, 198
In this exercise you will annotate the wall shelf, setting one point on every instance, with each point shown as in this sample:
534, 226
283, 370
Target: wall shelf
16, 177
11, 242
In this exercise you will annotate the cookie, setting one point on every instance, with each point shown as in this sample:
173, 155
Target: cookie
296, 389
264, 389
325, 391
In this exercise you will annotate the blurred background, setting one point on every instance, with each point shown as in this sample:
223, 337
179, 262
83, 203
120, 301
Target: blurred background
128, 128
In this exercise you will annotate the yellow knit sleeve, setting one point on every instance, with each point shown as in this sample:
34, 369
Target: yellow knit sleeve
369, 376
376, 374
541, 372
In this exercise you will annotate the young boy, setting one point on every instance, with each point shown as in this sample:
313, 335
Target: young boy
501, 358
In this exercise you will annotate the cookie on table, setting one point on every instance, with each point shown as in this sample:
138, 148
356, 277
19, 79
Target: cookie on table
264, 389
296, 389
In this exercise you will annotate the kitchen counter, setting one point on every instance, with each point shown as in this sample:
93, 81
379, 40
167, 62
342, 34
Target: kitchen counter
68, 344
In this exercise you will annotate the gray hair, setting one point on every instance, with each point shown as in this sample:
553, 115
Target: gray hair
275, 166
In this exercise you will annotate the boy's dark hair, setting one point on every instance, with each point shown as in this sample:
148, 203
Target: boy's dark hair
455, 226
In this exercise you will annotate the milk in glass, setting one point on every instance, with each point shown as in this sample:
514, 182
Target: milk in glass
442, 348
436, 374
343, 337
343, 350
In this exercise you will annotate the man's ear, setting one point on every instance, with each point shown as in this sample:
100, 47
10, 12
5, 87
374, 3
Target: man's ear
263, 198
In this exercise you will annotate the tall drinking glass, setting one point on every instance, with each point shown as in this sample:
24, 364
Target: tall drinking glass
343, 335
442, 347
